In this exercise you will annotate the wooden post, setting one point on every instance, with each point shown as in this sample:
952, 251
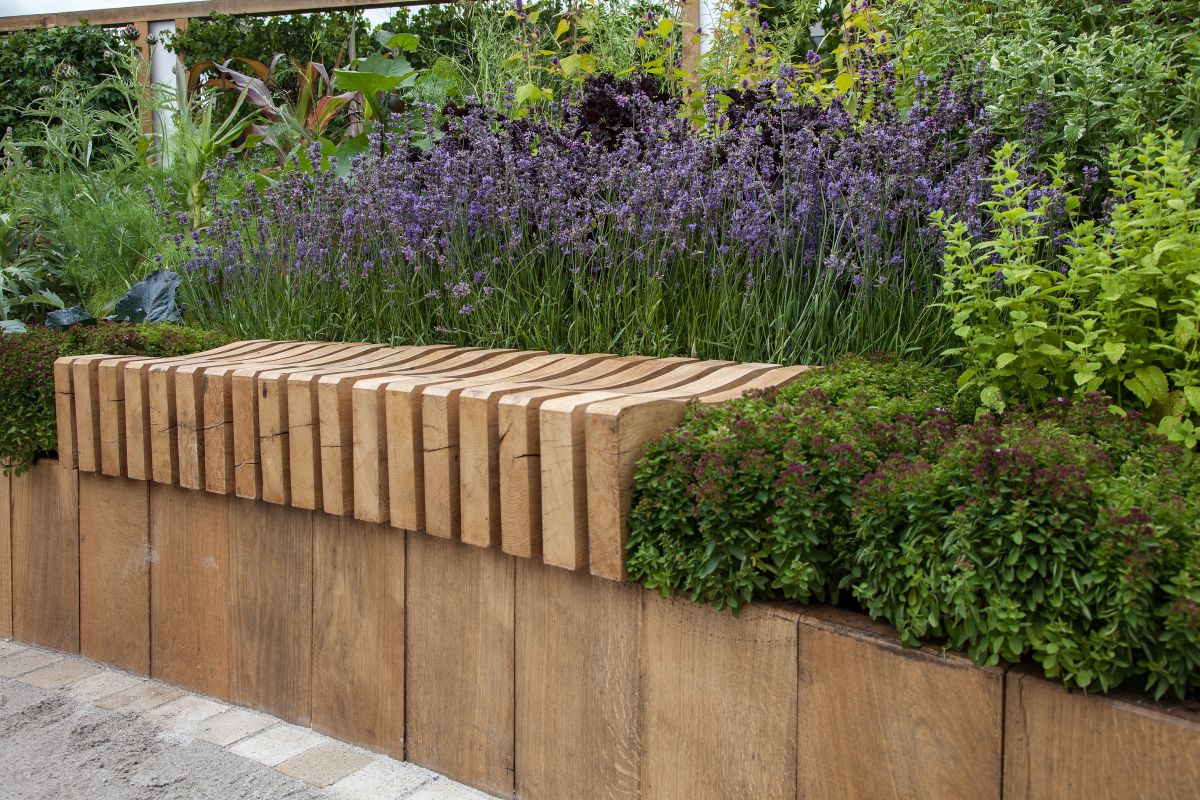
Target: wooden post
142, 27
691, 34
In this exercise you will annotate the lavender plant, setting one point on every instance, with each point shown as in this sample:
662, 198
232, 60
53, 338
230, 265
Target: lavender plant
782, 231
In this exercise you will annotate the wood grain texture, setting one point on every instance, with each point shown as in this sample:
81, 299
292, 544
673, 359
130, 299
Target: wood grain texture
720, 702
189, 589
878, 720
1062, 745
110, 420
84, 374
114, 571
459, 662
520, 471
6, 620
270, 609
578, 706
45, 556
64, 412
304, 433
358, 633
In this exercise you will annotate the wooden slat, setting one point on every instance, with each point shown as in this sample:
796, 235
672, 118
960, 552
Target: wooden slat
45, 556
136, 401
304, 419
110, 419
578, 703
719, 694
879, 720
1062, 745
616, 434
459, 663
439, 435
563, 462
114, 571
499, 458
479, 447
358, 633
163, 394
64, 412
6, 620
272, 400
355, 438
189, 589
270, 609
84, 375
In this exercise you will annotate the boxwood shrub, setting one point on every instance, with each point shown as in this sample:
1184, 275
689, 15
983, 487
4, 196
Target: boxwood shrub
27, 426
1065, 534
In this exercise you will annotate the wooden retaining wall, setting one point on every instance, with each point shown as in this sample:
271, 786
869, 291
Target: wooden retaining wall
532, 681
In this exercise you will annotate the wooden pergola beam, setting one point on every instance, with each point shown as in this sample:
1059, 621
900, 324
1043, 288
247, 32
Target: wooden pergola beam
170, 11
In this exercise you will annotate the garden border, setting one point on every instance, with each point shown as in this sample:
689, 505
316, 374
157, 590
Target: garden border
521, 678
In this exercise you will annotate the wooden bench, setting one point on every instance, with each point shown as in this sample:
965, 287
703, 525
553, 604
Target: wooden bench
529, 452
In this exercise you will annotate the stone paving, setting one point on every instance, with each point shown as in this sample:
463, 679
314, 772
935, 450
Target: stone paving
255, 742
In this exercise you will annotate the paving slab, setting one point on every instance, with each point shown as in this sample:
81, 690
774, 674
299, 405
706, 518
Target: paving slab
231, 726
59, 674
278, 744
142, 697
103, 684
383, 779
325, 764
26, 661
8, 647
184, 714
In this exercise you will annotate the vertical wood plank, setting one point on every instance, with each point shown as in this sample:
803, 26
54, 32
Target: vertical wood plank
358, 633
578, 707
84, 383
114, 571
879, 720
521, 471
110, 419
189, 589
64, 412
459, 662
1062, 745
720, 699
6, 627
45, 556
270, 609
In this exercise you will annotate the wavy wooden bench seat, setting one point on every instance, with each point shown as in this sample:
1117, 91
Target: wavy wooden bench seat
528, 452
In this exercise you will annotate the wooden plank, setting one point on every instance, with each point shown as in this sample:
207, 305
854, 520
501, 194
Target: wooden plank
616, 433
64, 412
1062, 745
189, 589
45, 556
6, 618
270, 609
578, 702
354, 438
165, 410
217, 408
303, 410
110, 418
479, 442
114, 571
108, 17
84, 382
272, 399
562, 448
439, 435
719, 694
877, 719
136, 401
358, 633
459, 662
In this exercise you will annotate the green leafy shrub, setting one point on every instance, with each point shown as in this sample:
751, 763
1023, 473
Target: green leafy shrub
324, 38
1116, 308
750, 498
33, 62
27, 413
1065, 534
1069, 536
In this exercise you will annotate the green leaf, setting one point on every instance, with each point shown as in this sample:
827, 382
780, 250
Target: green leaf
374, 73
527, 92
844, 83
1192, 393
991, 397
403, 42
1114, 350
1155, 381
563, 27
1004, 359
665, 26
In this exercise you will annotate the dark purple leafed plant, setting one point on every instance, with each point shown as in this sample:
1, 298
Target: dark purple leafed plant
780, 231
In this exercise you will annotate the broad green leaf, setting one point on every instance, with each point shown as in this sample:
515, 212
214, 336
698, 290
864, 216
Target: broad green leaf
844, 83
992, 398
1114, 350
526, 93
1155, 382
665, 26
563, 27
403, 42
1192, 393
374, 73
1004, 359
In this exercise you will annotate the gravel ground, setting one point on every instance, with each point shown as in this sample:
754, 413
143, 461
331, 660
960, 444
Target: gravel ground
54, 747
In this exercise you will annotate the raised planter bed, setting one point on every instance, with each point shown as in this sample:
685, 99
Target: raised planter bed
473, 652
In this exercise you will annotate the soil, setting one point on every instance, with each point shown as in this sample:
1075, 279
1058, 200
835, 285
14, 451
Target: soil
53, 747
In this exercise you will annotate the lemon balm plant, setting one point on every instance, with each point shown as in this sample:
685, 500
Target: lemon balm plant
1051, 305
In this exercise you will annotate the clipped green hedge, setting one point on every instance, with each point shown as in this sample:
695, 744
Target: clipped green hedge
27, 427
1066, 535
